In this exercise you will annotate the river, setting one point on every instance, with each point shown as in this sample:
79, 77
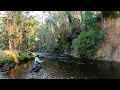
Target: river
66, 67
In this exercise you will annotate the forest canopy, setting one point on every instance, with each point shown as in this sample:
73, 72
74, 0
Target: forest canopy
53, 31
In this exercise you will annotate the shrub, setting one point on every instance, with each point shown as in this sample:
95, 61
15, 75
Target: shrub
5, 57
85, 45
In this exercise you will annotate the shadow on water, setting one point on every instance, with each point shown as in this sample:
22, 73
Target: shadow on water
65, 67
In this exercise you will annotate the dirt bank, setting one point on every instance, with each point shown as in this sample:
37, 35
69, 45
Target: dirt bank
110, 49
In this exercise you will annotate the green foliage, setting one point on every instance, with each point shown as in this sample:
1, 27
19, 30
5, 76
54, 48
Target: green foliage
2, 44
19, 17
5, 58
22, 55
87, 42
85, 45
26, 33
89, 21
110, 14
12, 36
75, 22
59, 46
100, 36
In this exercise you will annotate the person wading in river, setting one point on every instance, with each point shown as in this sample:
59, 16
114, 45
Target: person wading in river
37, 64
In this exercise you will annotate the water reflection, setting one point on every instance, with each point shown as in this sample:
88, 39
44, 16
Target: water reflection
19, 71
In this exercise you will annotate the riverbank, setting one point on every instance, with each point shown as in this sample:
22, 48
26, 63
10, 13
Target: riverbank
2, 76
97, 57
40, 75
9, 60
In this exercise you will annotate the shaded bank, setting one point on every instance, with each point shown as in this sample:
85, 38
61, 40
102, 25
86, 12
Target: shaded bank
7, 63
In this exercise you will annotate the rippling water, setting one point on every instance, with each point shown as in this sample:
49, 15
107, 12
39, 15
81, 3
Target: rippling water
66, 67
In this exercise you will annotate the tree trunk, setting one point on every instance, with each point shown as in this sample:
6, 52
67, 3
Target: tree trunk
8, 28
70, 20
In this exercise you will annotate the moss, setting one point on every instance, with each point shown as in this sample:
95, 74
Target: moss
25, 57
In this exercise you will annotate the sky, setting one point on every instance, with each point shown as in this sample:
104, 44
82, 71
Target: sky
1, 13
38, 13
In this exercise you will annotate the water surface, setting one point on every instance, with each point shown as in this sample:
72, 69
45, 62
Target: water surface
66, 67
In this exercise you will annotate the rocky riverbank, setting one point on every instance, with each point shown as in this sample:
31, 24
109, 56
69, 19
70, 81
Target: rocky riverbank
8, 60
7, 66
39, 75
4, 68
3, 77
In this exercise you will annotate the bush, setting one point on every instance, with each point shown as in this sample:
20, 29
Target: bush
23, 55
82, 43
85, 45
89, 22
5, 58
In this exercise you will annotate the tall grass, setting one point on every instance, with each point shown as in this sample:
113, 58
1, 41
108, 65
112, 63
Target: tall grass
4, 57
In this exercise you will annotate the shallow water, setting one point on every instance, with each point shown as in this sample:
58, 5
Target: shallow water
66, 67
